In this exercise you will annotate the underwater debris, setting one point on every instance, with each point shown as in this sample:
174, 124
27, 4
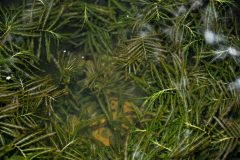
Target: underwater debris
8, 77
175, 36
137, 155
223, 52
181, 10
211, 37
196, 4
146, 30
234, 86
233, 51
220, 54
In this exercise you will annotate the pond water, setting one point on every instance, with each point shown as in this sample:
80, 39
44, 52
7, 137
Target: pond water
119, 79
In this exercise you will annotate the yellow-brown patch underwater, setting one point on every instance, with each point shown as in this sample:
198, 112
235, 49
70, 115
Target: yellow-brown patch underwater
123, 114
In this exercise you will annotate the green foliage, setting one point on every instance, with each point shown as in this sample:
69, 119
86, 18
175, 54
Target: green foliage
62, 62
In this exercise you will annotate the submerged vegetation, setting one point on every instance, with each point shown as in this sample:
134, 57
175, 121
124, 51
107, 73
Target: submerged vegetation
111, 79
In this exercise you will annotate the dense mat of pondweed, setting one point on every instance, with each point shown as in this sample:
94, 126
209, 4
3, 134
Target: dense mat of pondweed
111, 79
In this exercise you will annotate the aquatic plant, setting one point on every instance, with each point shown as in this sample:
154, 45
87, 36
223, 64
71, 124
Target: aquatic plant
108, 79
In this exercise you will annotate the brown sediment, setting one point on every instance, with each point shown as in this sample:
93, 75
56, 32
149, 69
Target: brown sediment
101, 131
